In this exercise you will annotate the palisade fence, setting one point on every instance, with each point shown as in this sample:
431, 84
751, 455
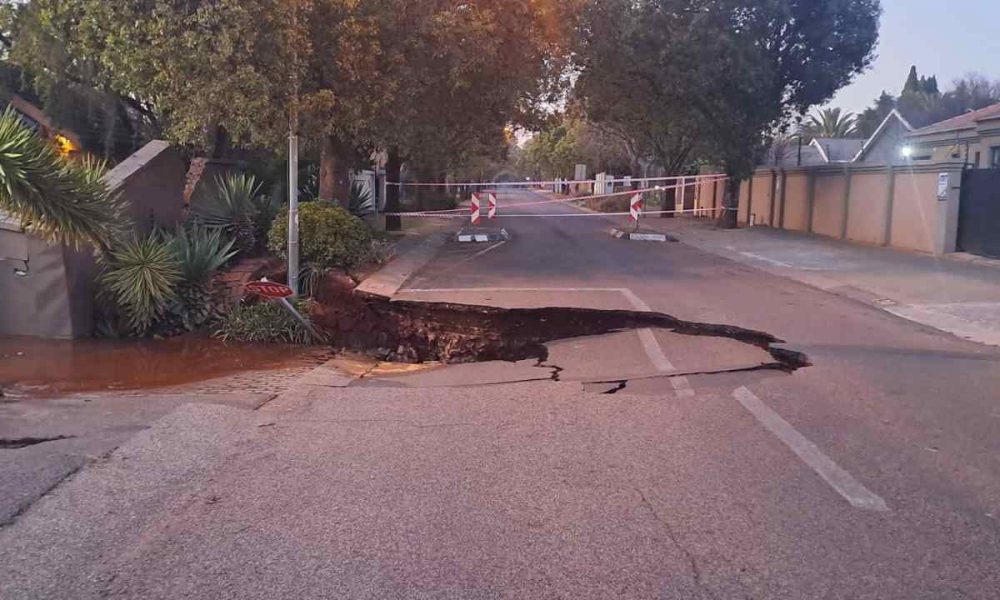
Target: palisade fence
907, 207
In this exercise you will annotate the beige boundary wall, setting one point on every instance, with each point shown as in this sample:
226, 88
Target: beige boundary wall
877, 205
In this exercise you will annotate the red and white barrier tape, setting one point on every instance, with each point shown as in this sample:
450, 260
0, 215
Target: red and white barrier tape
464, 211
580, 214
547, 183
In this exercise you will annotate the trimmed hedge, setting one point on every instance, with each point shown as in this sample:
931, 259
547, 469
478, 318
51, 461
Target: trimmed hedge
329, 236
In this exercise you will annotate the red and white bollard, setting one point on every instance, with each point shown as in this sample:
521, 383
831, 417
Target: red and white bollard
491, 211
474, 209
635, 208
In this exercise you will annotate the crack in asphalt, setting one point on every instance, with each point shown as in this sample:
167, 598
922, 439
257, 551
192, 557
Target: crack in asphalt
619, 386
24, 442
692, 560
622, 383
27, 505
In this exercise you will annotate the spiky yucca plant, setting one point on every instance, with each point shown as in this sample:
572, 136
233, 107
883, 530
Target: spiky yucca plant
360, 202
140, 278
200, 252
233, 207
56, 199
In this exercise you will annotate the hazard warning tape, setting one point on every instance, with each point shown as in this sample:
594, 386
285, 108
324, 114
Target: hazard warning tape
550, 182
475, 209
580, 214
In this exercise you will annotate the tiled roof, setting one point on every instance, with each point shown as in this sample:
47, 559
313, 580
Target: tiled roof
965, 121
840, 149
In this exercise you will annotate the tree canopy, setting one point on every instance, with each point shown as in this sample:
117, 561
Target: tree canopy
921, 102
714, 78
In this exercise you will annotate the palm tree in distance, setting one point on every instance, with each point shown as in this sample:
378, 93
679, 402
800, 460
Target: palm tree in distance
829, 123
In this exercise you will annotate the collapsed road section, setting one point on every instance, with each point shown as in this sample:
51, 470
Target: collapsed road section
407, 331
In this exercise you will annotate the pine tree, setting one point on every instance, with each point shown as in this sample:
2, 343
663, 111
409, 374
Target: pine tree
912, 81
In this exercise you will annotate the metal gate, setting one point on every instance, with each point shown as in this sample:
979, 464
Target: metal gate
979, 213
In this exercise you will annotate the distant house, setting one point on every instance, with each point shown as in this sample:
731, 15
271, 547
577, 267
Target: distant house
972, 138
884, 147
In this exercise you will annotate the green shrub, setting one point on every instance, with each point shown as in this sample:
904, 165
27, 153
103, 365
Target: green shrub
265, 322
329, 237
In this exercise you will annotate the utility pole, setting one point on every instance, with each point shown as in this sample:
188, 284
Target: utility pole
293, 210
293, 159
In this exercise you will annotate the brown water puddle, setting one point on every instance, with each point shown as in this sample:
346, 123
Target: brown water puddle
38, 367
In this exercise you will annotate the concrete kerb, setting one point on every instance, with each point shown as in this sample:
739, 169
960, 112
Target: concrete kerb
412, 255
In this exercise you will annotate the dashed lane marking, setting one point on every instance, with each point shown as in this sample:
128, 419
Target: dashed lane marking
840, 480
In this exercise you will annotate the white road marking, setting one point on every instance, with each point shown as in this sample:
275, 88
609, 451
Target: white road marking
840, 480
771, 261
491, 248
681, 385
650, 346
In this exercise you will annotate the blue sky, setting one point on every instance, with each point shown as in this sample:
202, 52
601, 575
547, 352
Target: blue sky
947, 38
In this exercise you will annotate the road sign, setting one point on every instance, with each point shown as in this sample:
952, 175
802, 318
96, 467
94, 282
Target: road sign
491, 212
474, 209
269, 289
635, 207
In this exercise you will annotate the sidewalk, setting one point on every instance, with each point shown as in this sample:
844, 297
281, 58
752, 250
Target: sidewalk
952, 294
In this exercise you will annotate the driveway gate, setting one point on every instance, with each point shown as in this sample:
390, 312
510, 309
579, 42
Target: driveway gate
979, 213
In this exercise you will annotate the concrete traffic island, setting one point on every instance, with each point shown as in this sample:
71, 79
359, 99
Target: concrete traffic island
641, 235
482, 235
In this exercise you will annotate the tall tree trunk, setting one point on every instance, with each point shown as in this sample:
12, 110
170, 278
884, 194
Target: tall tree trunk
730, 202
218, 141
393, 166
334, 172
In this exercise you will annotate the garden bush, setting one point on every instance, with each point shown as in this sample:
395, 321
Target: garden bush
265, 322
329, 237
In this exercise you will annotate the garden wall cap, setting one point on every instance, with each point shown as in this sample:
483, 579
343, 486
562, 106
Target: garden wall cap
117, 176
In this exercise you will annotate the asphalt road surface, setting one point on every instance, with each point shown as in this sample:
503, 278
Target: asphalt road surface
873, 473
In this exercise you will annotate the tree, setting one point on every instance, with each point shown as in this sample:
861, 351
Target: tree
830, 123
37, 66
870, 119
461, 73
759, 63
922, 103
634, 74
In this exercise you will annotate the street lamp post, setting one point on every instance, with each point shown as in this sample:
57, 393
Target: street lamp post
293, 211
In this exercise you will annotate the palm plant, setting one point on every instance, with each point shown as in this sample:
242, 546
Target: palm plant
233, 207
830, 123
140, 278
53, 198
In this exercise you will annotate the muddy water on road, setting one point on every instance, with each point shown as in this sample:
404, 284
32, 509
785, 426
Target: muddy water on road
35, 367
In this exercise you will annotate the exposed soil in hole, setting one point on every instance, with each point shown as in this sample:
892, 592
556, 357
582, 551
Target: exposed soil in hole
404, 331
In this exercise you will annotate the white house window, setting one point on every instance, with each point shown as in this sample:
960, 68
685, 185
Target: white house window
995, 157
